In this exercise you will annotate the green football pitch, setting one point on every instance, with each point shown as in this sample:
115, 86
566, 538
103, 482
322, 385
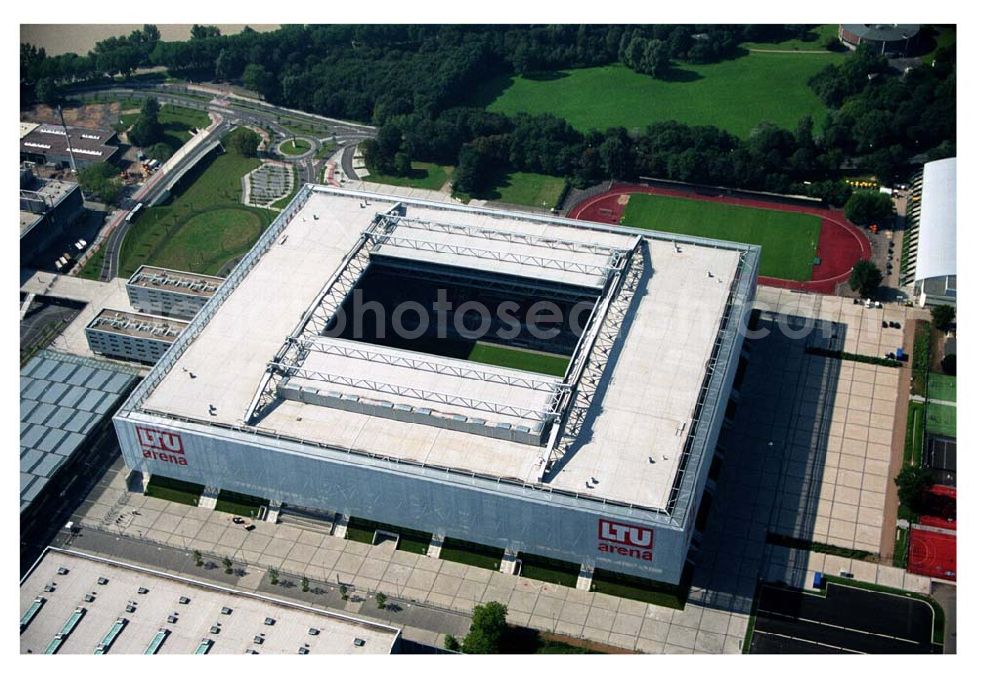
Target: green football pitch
527, 360
788, 240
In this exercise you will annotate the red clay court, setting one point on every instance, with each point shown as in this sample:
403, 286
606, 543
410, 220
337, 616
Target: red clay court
841, 244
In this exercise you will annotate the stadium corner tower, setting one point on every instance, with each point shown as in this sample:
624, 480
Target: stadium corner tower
602, 464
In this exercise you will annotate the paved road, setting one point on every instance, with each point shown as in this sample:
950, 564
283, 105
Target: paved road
347, 165
399, 613
244, 111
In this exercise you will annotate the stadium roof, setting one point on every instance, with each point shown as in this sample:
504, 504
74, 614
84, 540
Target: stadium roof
936, 244
62, 398
660, 345
283, 627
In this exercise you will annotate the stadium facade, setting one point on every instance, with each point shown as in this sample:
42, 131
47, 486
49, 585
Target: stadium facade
603, 464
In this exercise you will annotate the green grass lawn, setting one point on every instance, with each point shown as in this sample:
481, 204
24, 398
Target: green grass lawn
941, 387
203, 226
735, 95
177, 491
533, 190
913, 444
643, 590
502, 356
363, 531
820, 34
942, 419
239, 504
788, 240
294, 147
426, 175
549, 570
473, 554
92, 268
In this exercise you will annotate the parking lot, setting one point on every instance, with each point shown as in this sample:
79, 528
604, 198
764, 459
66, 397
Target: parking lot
843, 620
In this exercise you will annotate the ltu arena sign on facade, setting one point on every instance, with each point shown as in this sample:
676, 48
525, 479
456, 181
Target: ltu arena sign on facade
627, 540
161, 445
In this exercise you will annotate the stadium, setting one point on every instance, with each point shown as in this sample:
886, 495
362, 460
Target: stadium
543, 386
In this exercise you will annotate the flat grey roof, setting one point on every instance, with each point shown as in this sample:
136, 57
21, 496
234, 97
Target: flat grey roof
648, 398
176, 281
88, 144
336, 633
137, 325
62, 398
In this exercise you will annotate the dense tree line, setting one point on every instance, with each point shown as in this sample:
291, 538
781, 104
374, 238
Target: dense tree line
414, 82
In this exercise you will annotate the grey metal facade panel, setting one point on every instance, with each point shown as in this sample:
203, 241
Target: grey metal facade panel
62, 372
525, 518
73, 396
91, 401
33, 434
48, 465
117, 383
99, 380
41, 413
51, 439
80, 376
27, 409
58, 419
35, 390
26, 480
29, 460
54, 392
81, 421
69, 444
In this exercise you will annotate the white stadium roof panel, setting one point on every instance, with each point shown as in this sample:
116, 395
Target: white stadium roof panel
936, 244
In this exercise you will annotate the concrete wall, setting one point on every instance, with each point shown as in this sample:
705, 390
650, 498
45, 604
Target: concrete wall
473, 509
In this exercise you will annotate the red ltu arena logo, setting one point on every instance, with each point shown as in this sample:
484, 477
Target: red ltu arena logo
161, 445
627, 540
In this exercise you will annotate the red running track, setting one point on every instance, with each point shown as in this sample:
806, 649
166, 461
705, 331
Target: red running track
841, 244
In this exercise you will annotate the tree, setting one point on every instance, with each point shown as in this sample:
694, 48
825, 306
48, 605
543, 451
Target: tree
343, 591
228, 564
912, 483
147, 129
244, 141
198, 561
100, 180
865, 278
472, 173
948, 365
489, 623
272, 575
943, 316
401, 163
380, 599
47, 91
452, 644
305, 584
201, 32
868, 206
160, 151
